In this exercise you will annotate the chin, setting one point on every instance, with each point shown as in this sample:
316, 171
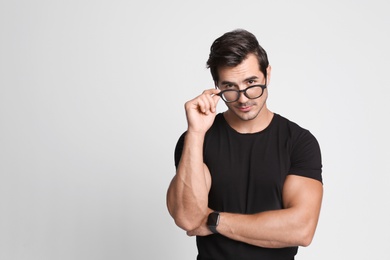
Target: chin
247, 116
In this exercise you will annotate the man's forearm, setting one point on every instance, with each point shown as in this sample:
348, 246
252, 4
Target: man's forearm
272, 229
294, 225
188, 192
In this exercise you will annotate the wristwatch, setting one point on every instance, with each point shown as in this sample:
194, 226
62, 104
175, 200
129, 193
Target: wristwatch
213, 221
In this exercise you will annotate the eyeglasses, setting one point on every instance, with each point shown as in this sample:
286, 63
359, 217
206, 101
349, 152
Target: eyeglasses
232, 95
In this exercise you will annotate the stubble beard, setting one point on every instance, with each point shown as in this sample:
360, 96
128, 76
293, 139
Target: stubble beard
246, 116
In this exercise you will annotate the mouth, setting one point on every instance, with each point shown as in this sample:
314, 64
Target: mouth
244, 108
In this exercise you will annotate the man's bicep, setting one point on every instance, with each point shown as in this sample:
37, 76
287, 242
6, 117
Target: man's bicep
304, 195
302, 191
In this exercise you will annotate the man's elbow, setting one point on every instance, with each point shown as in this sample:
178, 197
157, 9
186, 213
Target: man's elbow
306, 241
186, 224
306, 236
184, 221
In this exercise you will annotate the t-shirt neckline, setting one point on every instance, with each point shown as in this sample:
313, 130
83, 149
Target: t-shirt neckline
274, 118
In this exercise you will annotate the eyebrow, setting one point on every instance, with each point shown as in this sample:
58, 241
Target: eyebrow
225, 82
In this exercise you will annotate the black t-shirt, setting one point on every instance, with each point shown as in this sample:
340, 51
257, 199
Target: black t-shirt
248, 172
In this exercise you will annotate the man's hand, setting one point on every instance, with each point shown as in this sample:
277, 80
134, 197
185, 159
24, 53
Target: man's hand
201, 110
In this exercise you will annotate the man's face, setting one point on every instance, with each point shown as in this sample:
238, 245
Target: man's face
246, 74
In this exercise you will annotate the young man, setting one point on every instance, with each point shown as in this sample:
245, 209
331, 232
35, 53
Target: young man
248, 182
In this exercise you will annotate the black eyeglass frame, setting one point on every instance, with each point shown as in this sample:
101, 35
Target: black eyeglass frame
241, 91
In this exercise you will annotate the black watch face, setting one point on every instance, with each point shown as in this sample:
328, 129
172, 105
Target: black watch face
213, 219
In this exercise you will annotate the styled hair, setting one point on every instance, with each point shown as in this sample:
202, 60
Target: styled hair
232, 48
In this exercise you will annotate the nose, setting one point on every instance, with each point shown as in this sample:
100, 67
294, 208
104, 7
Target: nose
242, 98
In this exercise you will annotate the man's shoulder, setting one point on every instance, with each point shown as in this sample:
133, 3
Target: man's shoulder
292, 129
285, 122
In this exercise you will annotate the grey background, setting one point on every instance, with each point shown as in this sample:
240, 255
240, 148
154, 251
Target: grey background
91, 106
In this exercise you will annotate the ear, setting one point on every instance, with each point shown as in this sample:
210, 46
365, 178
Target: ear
268, 74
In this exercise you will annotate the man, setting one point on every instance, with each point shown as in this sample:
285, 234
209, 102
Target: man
248, 182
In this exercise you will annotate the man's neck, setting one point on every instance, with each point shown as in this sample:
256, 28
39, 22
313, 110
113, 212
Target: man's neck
262, 120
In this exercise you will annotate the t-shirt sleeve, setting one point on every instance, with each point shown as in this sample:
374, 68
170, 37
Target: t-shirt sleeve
179, 149
306, 157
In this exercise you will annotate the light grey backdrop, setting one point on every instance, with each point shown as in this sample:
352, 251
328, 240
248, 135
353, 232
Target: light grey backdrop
91, 106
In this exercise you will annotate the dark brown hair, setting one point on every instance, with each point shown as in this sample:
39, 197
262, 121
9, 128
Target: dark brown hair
232, 48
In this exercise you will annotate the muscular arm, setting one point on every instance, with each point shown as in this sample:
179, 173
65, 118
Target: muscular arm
292, 226
187, 196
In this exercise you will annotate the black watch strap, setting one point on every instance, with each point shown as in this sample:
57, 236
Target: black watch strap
213, 221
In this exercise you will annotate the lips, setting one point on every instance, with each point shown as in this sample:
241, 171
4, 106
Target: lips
244, 108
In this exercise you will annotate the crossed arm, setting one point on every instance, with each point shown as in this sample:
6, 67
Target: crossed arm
294, 225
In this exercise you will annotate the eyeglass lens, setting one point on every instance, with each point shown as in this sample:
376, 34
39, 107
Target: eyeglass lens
232, 95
